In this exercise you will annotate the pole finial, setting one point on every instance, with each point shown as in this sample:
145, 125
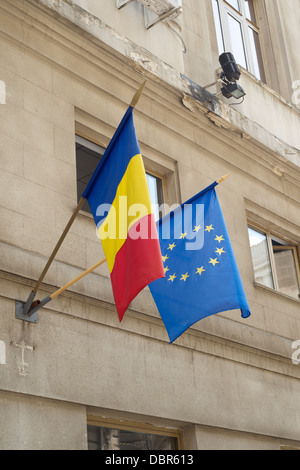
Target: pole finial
136, 97
223, 178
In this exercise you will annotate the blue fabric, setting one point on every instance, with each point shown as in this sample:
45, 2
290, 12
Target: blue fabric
207, 277
105, 180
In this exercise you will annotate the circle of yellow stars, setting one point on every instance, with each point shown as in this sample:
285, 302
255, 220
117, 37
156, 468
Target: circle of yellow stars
199, 271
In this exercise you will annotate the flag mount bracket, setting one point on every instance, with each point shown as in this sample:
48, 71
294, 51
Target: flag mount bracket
20, 315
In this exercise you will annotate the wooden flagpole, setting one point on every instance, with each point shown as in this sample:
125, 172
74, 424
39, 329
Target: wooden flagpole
32, 294
37, 304
77, 278
59, 243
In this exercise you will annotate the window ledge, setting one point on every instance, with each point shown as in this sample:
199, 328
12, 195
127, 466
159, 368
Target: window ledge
273, 291
268, 89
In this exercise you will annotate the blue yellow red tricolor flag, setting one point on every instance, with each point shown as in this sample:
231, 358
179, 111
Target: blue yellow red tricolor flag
202, 277
119, 199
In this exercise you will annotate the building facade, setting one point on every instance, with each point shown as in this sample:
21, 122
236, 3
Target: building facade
77, 378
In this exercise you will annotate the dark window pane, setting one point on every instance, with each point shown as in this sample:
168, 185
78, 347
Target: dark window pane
88, 155
103, 438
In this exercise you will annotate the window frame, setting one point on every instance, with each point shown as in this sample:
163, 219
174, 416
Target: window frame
225, 9
134, 426
290, 245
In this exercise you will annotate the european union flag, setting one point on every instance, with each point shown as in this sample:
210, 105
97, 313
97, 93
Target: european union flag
201, 274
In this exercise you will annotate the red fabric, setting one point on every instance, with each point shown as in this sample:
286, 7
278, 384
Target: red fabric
137, 264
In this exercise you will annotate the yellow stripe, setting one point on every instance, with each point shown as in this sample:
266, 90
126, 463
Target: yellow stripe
131, 203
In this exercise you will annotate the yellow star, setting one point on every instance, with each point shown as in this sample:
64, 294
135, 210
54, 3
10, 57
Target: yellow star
219, 238
171, 278
220, 251
164, 258
196, 228
200, 270
184, 277
213, 261
183, 235
209, 228
166, 269
170, 247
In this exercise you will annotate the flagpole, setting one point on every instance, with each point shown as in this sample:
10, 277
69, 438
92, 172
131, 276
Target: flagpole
77, 278
32, 294
27, 307
41, 303
59, 243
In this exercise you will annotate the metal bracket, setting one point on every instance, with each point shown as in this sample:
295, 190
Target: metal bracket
20, 315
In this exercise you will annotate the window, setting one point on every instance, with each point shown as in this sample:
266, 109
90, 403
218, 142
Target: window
156, 194
237, 32
88, 156
275, 262
130, 437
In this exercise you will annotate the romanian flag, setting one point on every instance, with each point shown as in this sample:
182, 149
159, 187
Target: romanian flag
119, 199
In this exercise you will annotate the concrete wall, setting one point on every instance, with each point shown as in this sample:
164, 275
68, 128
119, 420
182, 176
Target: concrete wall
225, 383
